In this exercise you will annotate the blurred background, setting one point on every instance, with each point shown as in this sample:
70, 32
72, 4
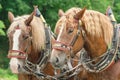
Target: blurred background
49, 9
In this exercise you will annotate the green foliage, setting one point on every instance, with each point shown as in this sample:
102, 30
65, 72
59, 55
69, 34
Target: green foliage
0, 7
100, 5
2, 26
3, 52
116, 9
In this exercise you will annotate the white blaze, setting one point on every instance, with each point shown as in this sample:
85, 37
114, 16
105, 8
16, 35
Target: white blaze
14, 65
61, 29
14, 61
16, 39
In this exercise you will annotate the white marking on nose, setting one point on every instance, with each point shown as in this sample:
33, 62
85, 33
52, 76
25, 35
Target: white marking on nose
14, 61
16, 36
61, 29
14, 65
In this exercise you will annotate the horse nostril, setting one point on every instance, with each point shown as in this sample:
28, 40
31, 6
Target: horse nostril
18, 66
57, 60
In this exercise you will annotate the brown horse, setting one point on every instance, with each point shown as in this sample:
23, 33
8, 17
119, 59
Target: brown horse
29, 47
78, 28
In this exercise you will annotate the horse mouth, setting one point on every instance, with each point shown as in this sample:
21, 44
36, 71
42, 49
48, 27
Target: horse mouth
57, 66
18, 70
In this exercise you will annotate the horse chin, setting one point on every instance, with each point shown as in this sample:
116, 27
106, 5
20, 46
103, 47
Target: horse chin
15, 65
14, 69
18, 71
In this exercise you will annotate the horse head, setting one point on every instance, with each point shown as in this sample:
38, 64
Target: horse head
70, 36
19, 40
27, 41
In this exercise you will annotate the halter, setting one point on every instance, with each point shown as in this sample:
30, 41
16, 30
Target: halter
29, 67
62, 46
18, 53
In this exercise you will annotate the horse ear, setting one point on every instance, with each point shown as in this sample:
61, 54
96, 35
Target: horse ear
60, 13
10, 16
30, 18
80, 14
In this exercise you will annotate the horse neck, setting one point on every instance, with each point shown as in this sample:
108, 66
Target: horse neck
34, 55
95, 46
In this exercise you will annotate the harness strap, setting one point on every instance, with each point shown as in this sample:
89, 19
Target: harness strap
47, 51
106, 60
36, 69
77, 35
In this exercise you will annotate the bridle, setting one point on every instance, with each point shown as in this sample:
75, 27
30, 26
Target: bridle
21, 54
62, 46
35, 68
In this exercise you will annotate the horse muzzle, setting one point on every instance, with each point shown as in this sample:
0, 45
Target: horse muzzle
14, 65
58, 58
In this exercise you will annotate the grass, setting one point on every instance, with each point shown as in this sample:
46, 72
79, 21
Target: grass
7, 75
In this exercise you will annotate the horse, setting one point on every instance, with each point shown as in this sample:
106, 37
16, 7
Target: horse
93, 32
29, 47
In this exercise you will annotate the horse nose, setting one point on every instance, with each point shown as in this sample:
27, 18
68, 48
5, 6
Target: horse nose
57, 59
18, 66
54, 60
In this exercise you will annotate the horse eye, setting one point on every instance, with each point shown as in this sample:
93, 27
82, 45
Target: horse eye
25, 36
70, 30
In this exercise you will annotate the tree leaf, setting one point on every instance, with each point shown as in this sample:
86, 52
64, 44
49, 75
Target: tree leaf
2, 32
2, 25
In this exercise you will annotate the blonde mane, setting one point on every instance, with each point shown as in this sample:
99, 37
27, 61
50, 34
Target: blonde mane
37, 27
38, 34
95, 23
